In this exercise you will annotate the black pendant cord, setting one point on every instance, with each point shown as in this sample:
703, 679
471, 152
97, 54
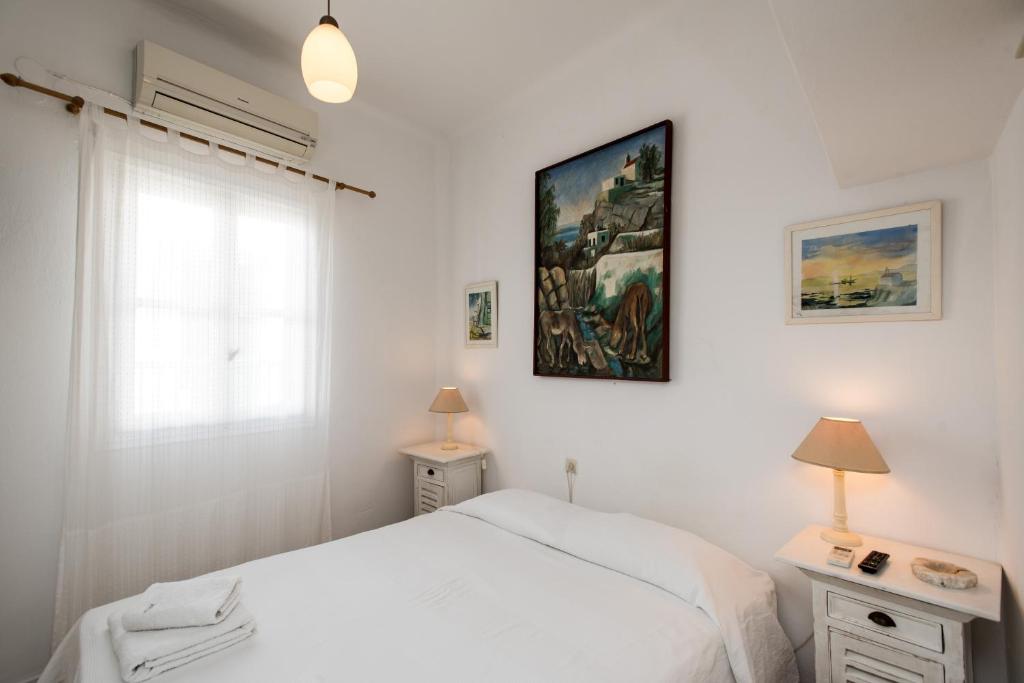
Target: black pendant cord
327, 18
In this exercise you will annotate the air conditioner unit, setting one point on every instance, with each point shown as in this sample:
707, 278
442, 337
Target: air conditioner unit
182, 91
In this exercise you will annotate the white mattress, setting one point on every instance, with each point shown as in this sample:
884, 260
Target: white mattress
443, 596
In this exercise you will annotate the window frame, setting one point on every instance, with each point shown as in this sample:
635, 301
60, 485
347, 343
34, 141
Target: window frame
126, 427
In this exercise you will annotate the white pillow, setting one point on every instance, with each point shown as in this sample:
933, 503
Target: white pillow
739, 599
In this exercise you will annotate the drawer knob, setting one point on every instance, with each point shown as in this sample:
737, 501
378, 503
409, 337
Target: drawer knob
430, 472
882, 619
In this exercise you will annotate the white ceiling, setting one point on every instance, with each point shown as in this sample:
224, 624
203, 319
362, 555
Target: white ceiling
898, 86
895, 86
437, 63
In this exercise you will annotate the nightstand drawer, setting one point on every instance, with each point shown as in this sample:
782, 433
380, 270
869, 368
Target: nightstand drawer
883, 619
431, 473
429, 497
857, 661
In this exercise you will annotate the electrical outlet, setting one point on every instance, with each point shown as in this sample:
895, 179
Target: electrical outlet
570, 465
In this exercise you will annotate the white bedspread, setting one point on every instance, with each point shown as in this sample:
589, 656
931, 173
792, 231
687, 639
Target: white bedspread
445, 596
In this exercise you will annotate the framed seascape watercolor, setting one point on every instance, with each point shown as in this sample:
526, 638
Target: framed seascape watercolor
870, 267
481, 321
601, 257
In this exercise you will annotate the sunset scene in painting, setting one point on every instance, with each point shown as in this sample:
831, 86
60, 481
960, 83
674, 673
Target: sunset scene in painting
860, 270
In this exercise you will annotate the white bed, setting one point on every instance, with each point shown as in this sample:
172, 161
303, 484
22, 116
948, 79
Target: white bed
511, 586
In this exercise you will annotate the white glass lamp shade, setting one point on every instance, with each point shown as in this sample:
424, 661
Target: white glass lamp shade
329, 63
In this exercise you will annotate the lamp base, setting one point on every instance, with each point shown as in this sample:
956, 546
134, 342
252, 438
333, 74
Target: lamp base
846, 539
449, 439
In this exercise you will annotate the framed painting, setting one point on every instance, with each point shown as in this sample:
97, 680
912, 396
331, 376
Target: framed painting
601, 256
870, 267
481, 320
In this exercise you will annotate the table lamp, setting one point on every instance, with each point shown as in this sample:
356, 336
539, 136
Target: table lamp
844, 445
449, 401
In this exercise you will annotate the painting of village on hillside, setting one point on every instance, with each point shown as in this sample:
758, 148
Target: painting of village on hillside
602, 261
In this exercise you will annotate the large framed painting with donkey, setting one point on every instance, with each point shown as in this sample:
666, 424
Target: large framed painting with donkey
602, 246
870, 267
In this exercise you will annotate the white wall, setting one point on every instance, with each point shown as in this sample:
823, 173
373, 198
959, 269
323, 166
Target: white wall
38, 177
709, 451
745, 387
1008, 211
384, 342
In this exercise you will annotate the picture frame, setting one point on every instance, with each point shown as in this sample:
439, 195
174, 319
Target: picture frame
876, 266
602, 260
480, 322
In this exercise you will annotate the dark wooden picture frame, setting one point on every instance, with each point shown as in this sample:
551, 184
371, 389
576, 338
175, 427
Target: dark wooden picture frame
602, 274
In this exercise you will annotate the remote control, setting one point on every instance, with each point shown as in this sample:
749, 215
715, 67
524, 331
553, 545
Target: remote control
873, 562
840, 557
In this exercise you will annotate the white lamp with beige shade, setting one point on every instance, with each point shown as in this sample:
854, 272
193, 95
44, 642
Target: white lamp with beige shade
449, 401
844, 445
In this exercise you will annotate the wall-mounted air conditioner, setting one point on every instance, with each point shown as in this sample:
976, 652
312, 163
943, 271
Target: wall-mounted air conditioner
181, 90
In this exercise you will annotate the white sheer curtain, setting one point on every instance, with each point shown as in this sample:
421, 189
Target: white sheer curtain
199, 391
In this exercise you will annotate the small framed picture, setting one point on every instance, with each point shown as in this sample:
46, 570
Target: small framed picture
869, 267
481, 323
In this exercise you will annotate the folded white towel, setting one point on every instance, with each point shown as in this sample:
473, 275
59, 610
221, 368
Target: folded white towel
144, 654
196, 602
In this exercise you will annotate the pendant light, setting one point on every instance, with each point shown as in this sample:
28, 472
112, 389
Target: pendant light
328, 62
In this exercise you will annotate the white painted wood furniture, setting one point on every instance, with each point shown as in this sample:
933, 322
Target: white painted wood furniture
890, 626
444, 477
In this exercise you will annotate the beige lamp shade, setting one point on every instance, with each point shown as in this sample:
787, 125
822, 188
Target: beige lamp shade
842, 444
448, 400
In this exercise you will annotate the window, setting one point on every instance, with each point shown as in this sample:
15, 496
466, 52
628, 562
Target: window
216, 327
198, 403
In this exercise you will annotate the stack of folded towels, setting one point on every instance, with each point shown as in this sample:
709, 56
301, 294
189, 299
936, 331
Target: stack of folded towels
172, 624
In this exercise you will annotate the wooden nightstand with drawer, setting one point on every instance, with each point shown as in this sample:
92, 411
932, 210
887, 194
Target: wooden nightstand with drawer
890, 626
443, 477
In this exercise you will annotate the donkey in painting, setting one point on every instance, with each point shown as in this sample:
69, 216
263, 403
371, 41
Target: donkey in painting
560, 324
630, 328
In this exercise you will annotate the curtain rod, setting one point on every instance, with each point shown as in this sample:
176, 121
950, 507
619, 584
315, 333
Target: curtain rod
75, 104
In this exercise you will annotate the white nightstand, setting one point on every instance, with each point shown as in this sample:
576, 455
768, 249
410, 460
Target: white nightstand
443, 477
890, 626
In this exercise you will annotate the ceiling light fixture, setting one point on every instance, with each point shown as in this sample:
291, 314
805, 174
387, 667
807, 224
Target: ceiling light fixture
328, 62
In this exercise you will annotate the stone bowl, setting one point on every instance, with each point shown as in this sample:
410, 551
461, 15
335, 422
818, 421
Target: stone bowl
943, 574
